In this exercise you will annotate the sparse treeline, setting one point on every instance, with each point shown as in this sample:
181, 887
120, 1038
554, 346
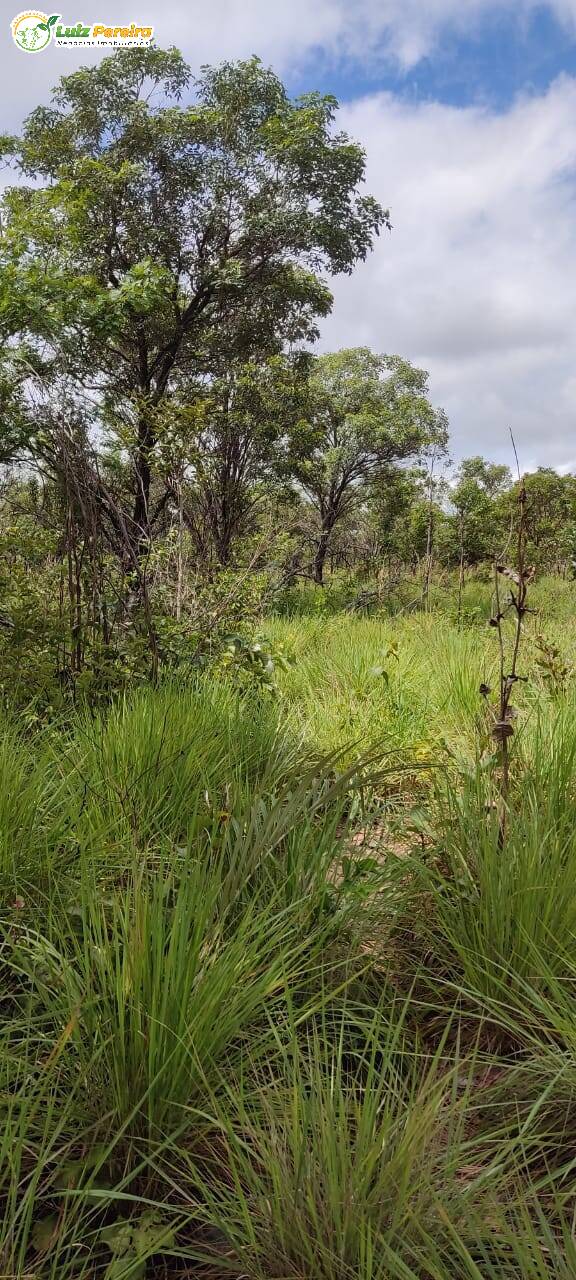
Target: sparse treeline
175, 453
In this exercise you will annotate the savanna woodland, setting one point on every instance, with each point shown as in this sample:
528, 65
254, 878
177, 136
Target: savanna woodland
288, 738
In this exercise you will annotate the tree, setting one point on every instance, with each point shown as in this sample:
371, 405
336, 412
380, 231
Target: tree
478, 484
550, 518
239, 424
158, 232
17, 427
392, 501
365, 411
489, 478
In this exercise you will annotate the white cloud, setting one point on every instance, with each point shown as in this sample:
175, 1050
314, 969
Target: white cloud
288, 30
476, 281
289, 33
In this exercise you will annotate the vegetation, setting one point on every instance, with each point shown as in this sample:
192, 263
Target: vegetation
288, 744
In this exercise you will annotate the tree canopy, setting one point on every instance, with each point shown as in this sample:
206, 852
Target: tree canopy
159, 236
364, 412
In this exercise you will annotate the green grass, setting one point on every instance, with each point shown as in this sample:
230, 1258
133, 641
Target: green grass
276, 1002
412, 682
406, 683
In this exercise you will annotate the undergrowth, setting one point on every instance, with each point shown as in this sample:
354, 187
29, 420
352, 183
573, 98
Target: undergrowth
275, 1001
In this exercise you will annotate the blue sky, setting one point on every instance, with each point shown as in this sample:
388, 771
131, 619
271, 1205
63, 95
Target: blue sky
467, 113
493, 62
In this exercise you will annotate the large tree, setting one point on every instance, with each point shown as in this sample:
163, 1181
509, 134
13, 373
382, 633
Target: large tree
365, 412
477, 485
232, 435
550, 518
166, 221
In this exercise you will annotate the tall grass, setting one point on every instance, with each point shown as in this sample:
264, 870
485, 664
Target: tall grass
184, 854
246, 1030
345, 1157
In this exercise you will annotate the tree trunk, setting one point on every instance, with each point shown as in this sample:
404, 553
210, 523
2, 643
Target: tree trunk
429, 553
222, 532
461, 572
141, 513
180, 555
320, 557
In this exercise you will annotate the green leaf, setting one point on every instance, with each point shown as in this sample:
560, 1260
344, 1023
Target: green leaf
42, 26
366, 866
43, 1233
152, 1234
118, 1236
125, 1268
54, 18
69, 1175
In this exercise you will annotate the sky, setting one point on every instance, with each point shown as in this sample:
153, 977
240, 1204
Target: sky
467, 113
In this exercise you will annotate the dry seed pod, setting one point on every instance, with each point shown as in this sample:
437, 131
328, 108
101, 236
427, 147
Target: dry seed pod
509, 573
502, 729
